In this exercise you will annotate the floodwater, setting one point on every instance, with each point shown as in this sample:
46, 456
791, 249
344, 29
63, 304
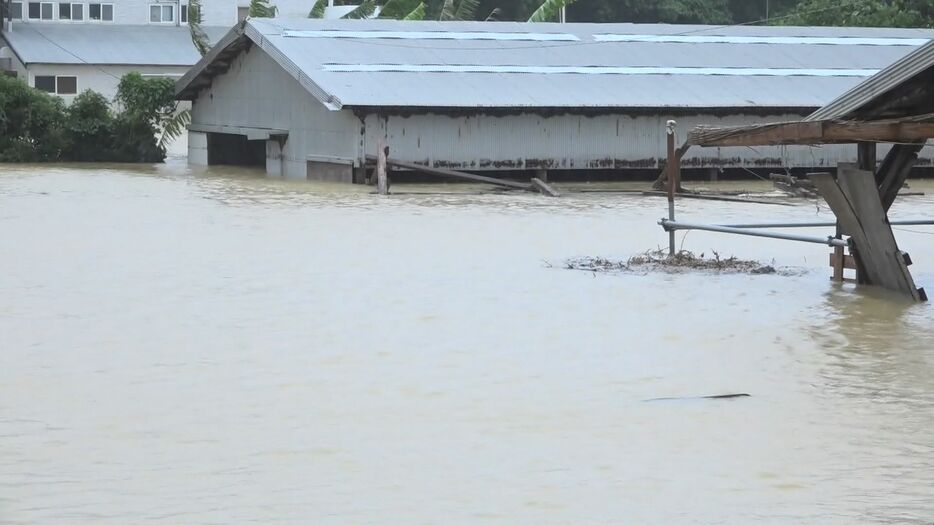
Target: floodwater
208, 346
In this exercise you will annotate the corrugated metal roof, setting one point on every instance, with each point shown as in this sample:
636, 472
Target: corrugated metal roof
105, 44
916, 62
552, 85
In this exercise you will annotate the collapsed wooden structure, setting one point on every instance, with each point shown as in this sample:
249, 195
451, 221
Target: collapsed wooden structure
895, 106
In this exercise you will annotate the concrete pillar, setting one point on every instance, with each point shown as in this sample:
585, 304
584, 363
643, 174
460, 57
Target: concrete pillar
274, 158
197, 148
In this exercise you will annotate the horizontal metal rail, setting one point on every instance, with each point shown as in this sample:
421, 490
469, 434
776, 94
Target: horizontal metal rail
669, 225
918, 222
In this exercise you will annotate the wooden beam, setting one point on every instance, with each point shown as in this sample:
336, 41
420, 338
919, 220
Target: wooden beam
894, 170
544, 188
456, 174
854, 199
819, 132
662, 180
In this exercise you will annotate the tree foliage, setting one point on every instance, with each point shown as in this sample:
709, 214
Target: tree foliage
262, 9
866, 13
36, 126
198, 37
30, 123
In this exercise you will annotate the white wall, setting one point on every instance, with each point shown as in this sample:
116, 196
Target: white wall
213, 12
136, 12
103, 79
257, 93
6, 52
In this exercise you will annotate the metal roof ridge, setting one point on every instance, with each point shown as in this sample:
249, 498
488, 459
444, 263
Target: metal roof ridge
885, 80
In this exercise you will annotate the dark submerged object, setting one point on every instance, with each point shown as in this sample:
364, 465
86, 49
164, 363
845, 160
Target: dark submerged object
718, 396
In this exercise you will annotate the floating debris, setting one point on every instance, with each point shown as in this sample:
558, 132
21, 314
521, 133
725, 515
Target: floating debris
717, 396
658, 260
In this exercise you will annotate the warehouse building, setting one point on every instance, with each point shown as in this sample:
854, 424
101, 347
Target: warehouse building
312, 98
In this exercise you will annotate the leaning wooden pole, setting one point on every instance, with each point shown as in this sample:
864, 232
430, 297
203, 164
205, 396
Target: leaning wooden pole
674, 176
382, 181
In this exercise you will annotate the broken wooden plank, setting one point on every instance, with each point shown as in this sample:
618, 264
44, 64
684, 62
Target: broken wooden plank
441, 172
847, 261
545, 189
717, 198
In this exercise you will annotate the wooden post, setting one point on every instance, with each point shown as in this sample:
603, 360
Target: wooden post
673, 180
541, 174
866, 156
382, 182
854, 198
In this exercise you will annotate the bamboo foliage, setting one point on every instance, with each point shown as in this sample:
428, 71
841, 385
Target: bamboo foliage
548, 11
398, 9
417, 14
317, 10
362, 11
262, 9
198, 37
174, 127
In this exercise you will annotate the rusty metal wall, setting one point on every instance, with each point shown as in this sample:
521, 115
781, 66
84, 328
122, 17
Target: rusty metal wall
530, 141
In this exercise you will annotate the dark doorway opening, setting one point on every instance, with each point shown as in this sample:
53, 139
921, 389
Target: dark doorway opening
235, 150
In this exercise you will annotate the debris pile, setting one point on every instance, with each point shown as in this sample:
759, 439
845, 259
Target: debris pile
659, 261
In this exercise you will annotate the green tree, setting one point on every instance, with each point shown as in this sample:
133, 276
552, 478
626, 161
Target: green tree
660, 11
30, 123
262, 9
89, 125
865, 13
147, 107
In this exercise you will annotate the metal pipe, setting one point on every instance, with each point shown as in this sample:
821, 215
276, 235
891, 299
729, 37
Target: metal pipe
671, 226
917, 222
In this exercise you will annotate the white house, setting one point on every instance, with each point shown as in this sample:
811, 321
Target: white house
65, 47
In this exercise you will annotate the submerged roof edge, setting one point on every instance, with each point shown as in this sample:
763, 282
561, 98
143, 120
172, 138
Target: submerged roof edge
245, 30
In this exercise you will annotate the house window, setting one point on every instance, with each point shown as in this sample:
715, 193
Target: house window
46, 84
40, 10
102, 12
17, 10
160, 13
68, 11
64, 85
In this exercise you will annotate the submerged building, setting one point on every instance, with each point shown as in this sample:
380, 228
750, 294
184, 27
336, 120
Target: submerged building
312, 98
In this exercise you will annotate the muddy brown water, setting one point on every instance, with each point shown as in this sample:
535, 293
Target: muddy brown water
209, 346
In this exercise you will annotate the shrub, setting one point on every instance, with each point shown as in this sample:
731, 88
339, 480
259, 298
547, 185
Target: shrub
36, 126
30, 123
89, 125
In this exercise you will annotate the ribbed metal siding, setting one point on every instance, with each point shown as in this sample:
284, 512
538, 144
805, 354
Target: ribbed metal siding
530, 141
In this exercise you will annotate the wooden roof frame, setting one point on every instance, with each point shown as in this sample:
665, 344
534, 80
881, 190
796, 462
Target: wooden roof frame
909, 130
